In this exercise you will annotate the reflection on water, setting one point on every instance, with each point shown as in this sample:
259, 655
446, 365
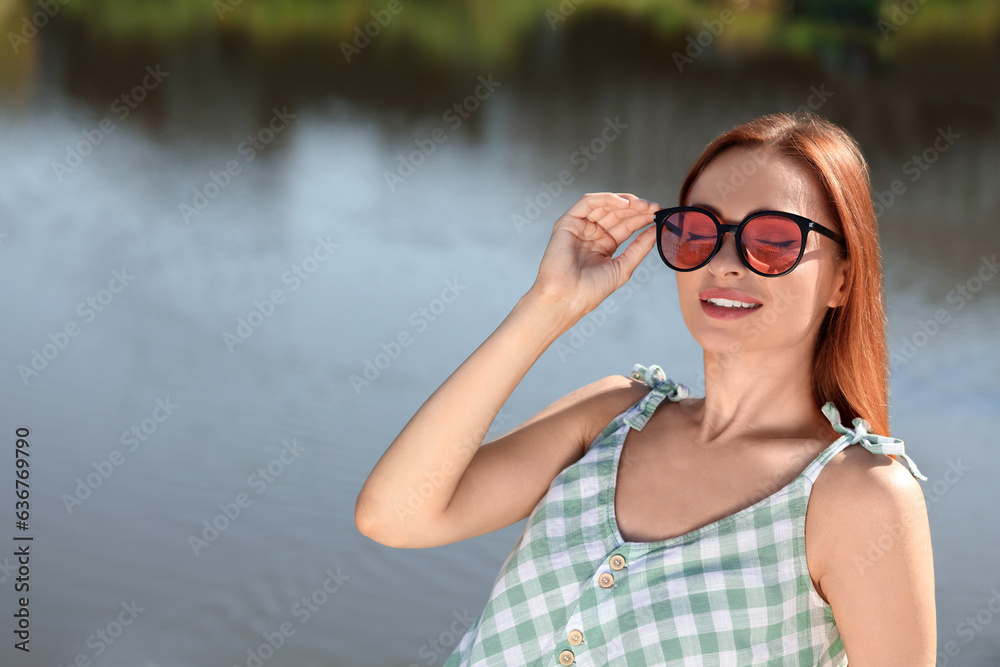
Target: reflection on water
307, 257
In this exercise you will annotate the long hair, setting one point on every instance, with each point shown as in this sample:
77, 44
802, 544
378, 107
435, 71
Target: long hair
850, 361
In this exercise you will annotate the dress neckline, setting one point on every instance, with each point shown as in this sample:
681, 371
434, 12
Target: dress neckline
661, 387
612, 515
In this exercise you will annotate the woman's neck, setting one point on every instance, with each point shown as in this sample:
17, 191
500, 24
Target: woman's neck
761, 393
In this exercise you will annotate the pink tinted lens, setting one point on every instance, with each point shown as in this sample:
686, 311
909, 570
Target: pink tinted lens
687, 239
771, 243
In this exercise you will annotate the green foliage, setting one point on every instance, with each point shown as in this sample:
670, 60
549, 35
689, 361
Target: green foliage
843, 12
491, 31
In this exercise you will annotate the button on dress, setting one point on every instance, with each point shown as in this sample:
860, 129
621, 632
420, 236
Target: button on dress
734, 592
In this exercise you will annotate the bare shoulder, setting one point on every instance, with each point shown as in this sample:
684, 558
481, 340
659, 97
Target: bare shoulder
588, 409
856, 480
861, 506
602, 400
868, 547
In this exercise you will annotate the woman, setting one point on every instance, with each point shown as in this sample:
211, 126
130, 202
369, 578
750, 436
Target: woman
675, 531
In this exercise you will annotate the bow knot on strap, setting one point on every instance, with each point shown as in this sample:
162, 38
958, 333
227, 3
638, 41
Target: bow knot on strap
860, 430
661, 387
656, 378
653, 375
877, 444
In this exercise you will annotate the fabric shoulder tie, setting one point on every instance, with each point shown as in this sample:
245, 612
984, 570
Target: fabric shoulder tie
877, 444
661, 387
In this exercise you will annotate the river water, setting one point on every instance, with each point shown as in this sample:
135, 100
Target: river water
202, 273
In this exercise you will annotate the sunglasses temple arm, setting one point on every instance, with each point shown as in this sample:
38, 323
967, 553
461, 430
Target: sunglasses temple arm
829, 233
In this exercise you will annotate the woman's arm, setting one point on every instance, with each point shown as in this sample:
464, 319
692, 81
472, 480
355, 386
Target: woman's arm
876, 567
410, 499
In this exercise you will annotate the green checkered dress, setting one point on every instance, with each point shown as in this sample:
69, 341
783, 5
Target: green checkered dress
734, 592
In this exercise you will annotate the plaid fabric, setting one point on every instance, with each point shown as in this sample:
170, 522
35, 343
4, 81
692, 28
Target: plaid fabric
734, 592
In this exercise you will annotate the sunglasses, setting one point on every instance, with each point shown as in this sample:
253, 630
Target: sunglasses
770, 243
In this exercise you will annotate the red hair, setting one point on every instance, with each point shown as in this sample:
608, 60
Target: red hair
850, 364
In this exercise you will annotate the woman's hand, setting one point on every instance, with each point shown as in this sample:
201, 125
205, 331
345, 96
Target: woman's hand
578, 270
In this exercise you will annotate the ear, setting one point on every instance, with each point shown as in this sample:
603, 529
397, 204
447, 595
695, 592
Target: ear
838, 297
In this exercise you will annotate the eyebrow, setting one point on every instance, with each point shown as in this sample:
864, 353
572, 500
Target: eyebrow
721, 217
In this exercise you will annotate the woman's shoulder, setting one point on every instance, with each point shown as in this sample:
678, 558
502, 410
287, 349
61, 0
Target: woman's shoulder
607, 398
860, 499
614, 391
868, 541
877, 469
856, 476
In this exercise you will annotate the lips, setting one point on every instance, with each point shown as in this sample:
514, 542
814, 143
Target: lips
728, 310
729, 294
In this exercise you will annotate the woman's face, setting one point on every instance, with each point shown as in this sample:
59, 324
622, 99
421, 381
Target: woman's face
792, 306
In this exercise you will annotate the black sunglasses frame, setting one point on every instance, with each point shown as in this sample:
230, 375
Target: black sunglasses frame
805, 225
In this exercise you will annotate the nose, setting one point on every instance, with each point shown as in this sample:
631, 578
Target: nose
727, 260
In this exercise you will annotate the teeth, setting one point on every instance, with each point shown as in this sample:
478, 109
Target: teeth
727, 303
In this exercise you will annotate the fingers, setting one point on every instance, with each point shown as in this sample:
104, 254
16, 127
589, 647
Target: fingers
640, 247
623, 222
619, 215
620, 225
594, 205
638, 203
597, 207
635, 252
635, 204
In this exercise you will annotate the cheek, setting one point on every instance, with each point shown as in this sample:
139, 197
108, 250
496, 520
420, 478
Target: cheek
687, 296
685, 287
795, 300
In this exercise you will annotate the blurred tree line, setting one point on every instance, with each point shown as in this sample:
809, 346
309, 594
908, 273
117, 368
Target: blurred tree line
491, 31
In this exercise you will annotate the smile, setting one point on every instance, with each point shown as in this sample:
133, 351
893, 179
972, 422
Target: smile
727, 303
727, 309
